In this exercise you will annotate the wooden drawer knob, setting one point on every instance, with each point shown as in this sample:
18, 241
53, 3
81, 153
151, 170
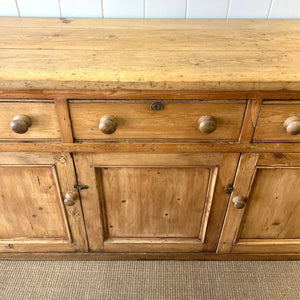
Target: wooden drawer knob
207, 124
292, 125
20, 124
239, 202
108, 124
70, 198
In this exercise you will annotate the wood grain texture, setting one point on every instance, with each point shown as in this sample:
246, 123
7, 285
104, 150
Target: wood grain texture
227, 171
153, 159
91, 256
42, 115
274, 207
122, 177
267, 246
270, 123
63, 116
269, 223
26, 158
106, 47
234, 216
90, 199
154, 202
46, 94
250, 120
174, 121
67, 180
278, 160
153, 147
30, 204
33, 217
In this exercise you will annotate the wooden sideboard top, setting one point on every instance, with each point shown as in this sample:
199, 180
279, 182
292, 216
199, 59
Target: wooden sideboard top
93, 54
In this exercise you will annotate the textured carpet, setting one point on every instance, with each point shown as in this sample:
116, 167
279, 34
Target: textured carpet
150, 280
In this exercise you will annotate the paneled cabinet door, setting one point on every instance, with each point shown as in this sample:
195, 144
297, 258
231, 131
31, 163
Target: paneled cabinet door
33, 217
150, 202
263, 215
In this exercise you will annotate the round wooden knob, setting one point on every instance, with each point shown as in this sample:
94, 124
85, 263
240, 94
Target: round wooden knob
108, 124
292, 125
239, 202
70, 198
20, 124
207, 124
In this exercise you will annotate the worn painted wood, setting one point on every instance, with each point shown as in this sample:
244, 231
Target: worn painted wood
193, 54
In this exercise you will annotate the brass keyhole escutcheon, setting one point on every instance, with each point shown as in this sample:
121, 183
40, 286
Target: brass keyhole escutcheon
156, 106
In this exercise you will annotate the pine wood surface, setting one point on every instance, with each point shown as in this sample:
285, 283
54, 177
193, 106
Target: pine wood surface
158, 206
271, 119
270, 220
29, 197
176, 120
130, 207
274, 188
66, 74
44, 121
117, 54
33, 217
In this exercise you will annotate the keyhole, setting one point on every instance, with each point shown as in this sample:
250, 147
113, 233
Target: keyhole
157, 106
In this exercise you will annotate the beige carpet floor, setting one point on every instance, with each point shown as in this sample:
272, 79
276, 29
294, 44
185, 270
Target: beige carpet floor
150, 280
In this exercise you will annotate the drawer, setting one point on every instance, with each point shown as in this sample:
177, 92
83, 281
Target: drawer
271, 122
41, 115
175, 120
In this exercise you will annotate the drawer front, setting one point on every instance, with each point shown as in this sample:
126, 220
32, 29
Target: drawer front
176, 120
271, 126
43, 123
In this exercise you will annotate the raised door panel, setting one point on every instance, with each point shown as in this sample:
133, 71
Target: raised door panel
30, 203
154, 202
274, 212
270, 221
33, 217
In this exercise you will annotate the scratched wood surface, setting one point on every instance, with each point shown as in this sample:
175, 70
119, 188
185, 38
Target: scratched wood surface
269, 223
150, 54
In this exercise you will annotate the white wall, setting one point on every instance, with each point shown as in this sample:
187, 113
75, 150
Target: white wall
257, 9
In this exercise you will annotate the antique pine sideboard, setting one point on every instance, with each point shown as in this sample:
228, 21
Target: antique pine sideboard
149, 139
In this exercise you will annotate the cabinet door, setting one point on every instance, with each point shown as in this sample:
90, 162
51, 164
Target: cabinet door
33, 217
263, 215
154, 202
